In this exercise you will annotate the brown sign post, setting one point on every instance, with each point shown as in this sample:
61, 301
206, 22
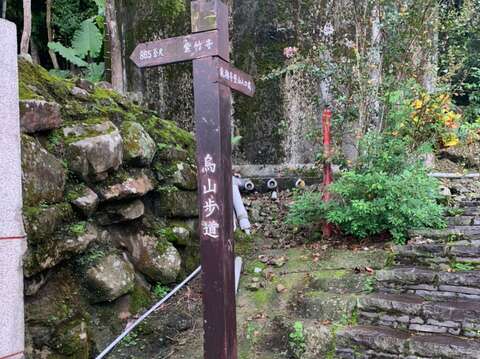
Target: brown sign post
213, 78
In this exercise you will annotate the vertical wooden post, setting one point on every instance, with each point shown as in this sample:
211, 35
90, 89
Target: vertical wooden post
12, 235
212, 118
214, 151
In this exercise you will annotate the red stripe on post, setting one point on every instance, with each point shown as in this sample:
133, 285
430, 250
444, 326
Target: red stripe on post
12, 355
11, 239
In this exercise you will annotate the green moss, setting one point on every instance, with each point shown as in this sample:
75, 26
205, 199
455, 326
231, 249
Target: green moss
36, 83
162, 246
43, 220
140, 298
88, 130
75, 191
167, 133
71, 339
262, 297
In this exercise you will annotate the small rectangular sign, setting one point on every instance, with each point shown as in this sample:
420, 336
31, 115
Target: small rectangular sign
177, 49
234, 78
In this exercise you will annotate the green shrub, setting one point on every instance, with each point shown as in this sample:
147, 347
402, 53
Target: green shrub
386, 192
160, 291
296, 340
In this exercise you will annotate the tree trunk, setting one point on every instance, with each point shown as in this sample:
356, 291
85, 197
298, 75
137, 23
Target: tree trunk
4, 9
375, 68
115, 46
27, 26
52, 54
430, 76
34, 52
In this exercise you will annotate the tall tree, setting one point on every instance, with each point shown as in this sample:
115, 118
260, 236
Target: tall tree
116, 61
27, 26
52, 54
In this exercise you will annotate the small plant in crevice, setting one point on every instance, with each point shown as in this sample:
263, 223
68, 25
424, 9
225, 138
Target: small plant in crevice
462, 267
131, 340
252, 333
78, 229
296, 340
370, 285
160, 291
92, 256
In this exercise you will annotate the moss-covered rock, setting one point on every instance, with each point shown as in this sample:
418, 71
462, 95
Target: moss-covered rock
110, 278
93, 149
155, 257
125, 185
49, 252
183, 177
41, 222
43, 175
121, 212
84, 199
72, 339
172, 203
138, 147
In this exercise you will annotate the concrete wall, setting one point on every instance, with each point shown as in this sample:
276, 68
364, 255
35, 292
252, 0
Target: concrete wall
12, 239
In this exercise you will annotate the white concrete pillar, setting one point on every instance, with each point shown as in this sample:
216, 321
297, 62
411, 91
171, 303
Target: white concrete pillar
12, 235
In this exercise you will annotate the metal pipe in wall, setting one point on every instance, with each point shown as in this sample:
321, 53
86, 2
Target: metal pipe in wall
12, 234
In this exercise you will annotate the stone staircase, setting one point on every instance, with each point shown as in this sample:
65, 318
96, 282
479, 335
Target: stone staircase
428, 304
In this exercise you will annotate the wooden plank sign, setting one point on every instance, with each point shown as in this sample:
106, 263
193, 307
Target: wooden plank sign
234, 78
178, 49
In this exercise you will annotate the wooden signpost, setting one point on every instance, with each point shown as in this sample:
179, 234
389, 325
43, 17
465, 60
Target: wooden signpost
213, 78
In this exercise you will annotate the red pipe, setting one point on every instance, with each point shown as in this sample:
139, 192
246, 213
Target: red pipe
11, 356
12, 239
327, 166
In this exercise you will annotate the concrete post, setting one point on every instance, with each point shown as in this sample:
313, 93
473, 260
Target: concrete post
12, 235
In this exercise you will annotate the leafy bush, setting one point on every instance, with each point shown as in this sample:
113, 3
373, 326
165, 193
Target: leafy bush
160, 290
421, 117
86, 45
296, 340
386, 192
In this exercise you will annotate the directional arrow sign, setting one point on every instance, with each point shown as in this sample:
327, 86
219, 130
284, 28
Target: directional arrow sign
179, 49
234, 78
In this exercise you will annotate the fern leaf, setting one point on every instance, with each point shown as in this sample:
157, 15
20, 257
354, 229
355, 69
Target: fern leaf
68, 53
95, 71
87, 40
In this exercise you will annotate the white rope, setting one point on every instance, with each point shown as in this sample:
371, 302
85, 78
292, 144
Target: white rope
150, 311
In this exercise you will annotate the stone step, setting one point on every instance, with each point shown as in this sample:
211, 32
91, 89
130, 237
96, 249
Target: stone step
459, 221
471, 203
430, 284
367, 342
439, 255
414, 313
450, 234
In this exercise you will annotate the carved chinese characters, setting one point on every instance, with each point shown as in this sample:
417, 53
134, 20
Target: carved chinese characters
210, 207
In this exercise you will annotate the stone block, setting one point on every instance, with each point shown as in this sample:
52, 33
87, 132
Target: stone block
93, 149
38, 115
131, 185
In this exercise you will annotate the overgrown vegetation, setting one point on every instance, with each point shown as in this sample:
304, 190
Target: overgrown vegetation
387, 191
86, 46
